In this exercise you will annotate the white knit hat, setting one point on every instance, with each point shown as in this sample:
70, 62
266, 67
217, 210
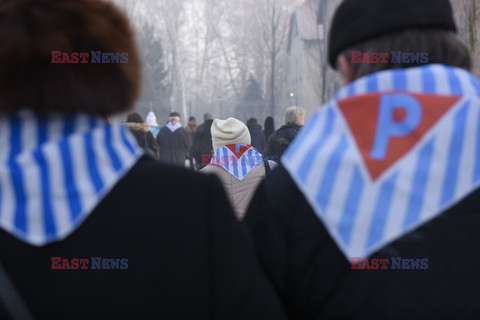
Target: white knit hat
151, 119
230, 131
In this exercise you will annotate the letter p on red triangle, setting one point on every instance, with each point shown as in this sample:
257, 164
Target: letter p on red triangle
387, 126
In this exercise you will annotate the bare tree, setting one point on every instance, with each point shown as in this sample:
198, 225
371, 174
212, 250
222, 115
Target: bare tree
212, 46
272, 17
467, 14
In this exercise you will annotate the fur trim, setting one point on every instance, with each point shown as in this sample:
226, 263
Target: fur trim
137, 126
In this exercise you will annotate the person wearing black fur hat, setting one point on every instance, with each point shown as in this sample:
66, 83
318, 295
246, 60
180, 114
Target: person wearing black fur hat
372, 212
174, 141
90, 227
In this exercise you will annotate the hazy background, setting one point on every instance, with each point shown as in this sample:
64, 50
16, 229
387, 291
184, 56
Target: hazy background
230, 57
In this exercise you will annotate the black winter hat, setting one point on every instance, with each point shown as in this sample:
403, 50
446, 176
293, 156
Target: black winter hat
356, 21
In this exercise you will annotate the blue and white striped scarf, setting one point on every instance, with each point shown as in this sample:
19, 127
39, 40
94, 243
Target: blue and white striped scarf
239, 168
364, 212
55, 171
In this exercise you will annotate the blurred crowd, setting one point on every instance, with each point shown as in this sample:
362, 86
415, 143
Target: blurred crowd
366, 211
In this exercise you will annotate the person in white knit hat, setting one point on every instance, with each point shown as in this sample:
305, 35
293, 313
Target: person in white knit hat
238, 165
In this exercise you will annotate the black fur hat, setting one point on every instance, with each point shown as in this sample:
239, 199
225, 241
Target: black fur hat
356, 21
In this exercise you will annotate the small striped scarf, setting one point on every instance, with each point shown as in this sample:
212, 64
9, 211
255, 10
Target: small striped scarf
373, 171
54, 171
237, 167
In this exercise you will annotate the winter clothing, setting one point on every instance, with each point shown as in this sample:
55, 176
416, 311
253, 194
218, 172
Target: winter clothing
258, 139
173, 126
202, 144
267, 134
229, 131
239, 192
269, 128
151, 119
188, 257
356, 21
145, 138
240, 172
59, 173
152, 122
174, 144
191, 128
346, 190
279, 141
90, 195
154, 131
315, 281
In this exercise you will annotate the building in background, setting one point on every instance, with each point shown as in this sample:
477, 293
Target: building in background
467, 16
312, 82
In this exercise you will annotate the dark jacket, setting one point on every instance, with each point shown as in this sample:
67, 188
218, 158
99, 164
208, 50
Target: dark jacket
191, 128
267, 134
174, 145
186, 259
315, 280
145, 138
202, 144
258, 139
279, 141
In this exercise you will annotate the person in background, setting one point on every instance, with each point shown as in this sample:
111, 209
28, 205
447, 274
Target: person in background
279, 141
373, 212
90, 227
142, 133
258, 139
191, 128
152, 122
268, 128
151, 119
236, 162
174, 141
202, 143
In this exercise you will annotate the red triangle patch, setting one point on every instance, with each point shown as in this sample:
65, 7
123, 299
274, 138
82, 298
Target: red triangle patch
399, 127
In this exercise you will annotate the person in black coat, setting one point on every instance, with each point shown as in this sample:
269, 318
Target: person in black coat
90, 227
372, 212
279, 141
174, 141
187, 256
202, 148
258, 139
142, 133
268, 127
315, 281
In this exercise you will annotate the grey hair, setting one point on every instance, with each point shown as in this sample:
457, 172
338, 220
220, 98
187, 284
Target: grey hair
293, 115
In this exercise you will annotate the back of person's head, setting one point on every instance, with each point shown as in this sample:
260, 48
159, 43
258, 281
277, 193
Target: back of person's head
207, 116
419, 27
252, 123
294, 115
151, 119
135, 117
230, 131
269, 124
191, 119
30, 30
